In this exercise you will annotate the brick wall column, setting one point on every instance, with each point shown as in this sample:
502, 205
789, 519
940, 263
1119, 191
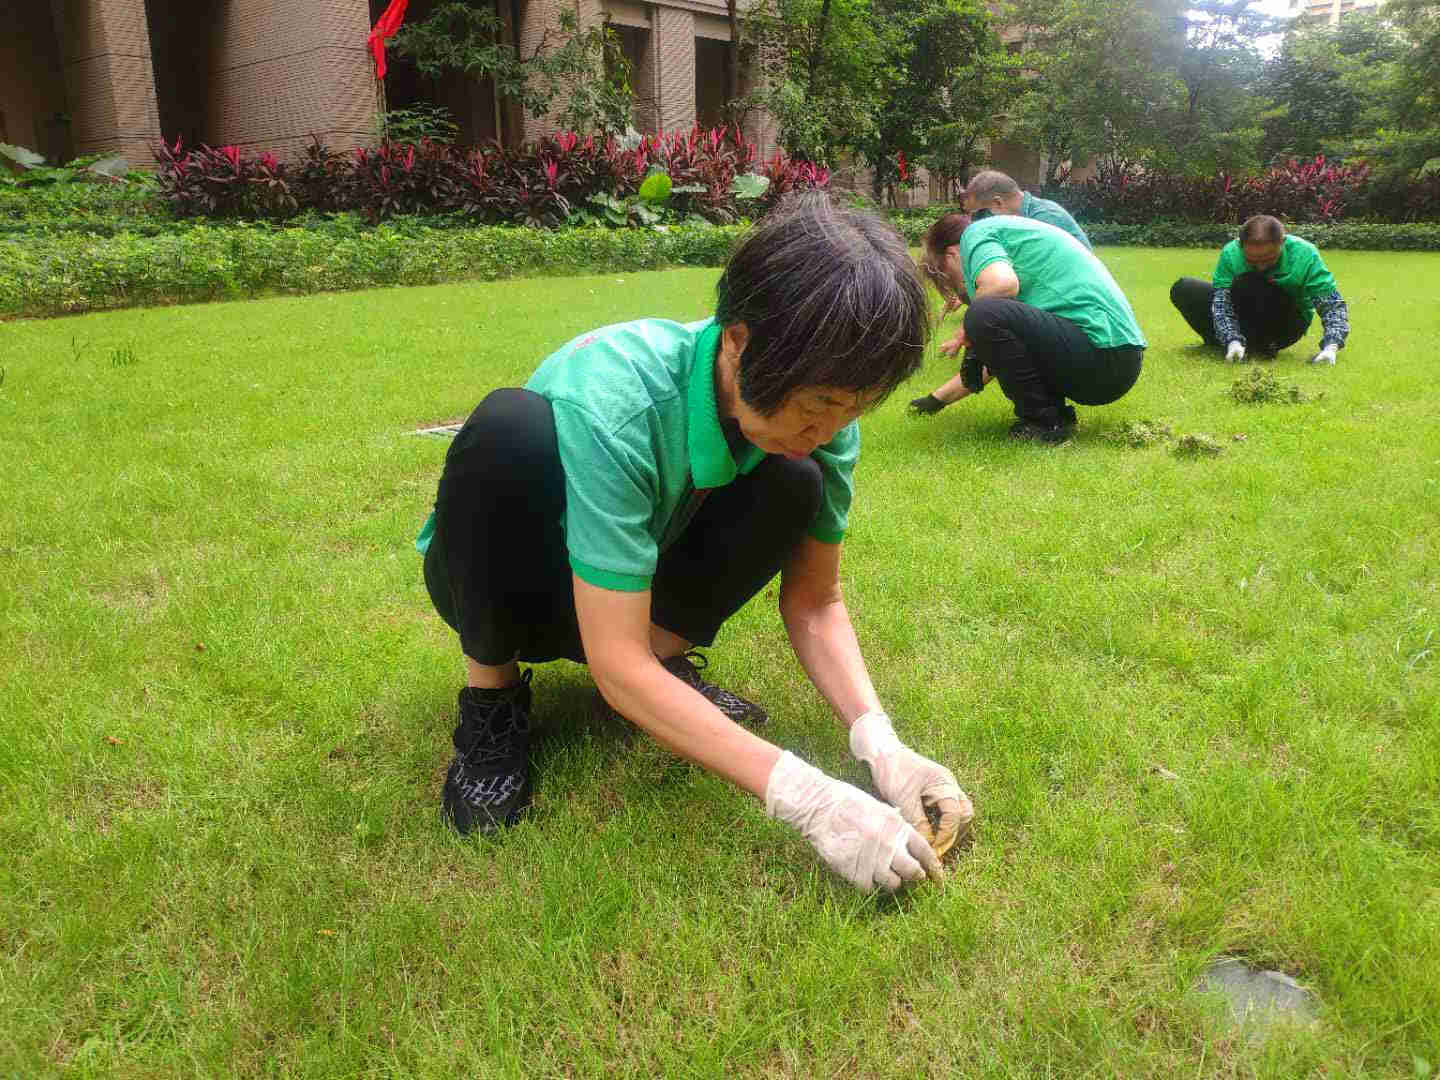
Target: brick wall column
283, 71
109, 80
673, 47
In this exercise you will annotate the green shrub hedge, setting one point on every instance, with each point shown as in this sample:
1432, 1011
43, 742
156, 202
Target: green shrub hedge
50, 275
52, 264
1355, 235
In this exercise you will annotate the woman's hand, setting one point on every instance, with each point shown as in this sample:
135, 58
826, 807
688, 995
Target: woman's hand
860, 838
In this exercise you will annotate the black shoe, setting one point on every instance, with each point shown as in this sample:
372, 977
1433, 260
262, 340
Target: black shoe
686, 668
1046, 433
488, 785
1068, 419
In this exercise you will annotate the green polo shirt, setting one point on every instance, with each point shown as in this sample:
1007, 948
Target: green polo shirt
1300, 271
1052, 213
1056, 275
641, 443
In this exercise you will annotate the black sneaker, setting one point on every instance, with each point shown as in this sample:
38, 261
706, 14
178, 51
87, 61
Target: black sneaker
1068, 419
1046, 433
687, 667
488, 785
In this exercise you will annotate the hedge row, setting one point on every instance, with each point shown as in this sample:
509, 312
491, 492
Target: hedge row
59, 275
1352, 235
51, 275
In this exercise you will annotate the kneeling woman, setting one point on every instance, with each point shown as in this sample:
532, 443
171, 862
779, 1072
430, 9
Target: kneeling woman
1046, 319
650, 479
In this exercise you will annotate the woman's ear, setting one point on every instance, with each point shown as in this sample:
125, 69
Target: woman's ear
735, 338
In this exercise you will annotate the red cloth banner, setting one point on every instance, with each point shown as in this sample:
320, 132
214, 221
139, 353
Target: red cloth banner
385, 27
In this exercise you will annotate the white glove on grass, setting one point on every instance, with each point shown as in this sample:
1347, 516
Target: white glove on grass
860, 838
911, 783
1325, 355
1235, 352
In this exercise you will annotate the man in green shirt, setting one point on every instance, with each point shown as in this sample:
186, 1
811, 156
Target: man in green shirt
650, 479
1263, 295
1045, 319
992, 192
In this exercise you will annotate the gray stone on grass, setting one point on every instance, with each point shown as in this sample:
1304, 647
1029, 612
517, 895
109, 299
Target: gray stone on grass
1256, 997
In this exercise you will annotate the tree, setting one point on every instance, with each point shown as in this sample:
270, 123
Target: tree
1330, 86
950, 80
977, 102
1215, 125
1102, 77
823, 67
583, 67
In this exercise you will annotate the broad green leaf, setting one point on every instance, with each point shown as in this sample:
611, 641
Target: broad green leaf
749, 186
655, 188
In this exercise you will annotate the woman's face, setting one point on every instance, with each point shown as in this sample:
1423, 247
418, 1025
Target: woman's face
954, 270
809, 418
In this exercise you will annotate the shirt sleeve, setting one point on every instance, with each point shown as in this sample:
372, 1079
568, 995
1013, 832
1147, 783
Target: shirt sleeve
837, 473
1334, 318
1222, 314
1319, 282
1224, 275
611, 491
981, 255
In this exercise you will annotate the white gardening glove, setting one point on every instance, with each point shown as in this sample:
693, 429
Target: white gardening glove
1235, 352
860, 838
911, 783
1326, 355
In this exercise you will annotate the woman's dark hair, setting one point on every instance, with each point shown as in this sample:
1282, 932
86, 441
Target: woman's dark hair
1262, 229
830, 297
943, 234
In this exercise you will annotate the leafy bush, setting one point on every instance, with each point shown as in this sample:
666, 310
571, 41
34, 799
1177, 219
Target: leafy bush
223, 182
44, 275
1306, 191
542, 183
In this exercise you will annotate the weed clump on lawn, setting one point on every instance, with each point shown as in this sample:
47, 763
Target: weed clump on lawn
1260, 387
1138, 433
1197, 446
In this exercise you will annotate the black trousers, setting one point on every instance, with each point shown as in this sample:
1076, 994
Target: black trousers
1040, 359
1267, 315
498, 571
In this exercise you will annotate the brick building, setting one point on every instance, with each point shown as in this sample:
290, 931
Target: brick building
89, 76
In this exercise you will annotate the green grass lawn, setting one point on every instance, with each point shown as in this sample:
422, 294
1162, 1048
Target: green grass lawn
1195, 701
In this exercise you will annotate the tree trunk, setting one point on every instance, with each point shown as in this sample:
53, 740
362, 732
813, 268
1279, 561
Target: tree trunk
733, 90
817, 52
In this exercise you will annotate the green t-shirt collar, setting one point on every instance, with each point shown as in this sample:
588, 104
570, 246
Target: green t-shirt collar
711, 463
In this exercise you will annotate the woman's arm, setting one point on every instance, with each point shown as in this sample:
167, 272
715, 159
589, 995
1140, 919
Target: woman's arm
820, 630
615, 629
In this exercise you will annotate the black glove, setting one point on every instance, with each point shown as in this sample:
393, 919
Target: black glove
928, 405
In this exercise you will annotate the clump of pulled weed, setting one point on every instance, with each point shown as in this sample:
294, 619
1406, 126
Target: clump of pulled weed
1260, 387
1139, 433
1197, 446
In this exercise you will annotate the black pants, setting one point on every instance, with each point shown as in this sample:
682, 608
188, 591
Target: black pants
1267, 315
498, 571
1040, 359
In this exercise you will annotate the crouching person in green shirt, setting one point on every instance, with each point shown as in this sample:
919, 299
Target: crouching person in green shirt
651, 478
1045, 319
1263, 295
